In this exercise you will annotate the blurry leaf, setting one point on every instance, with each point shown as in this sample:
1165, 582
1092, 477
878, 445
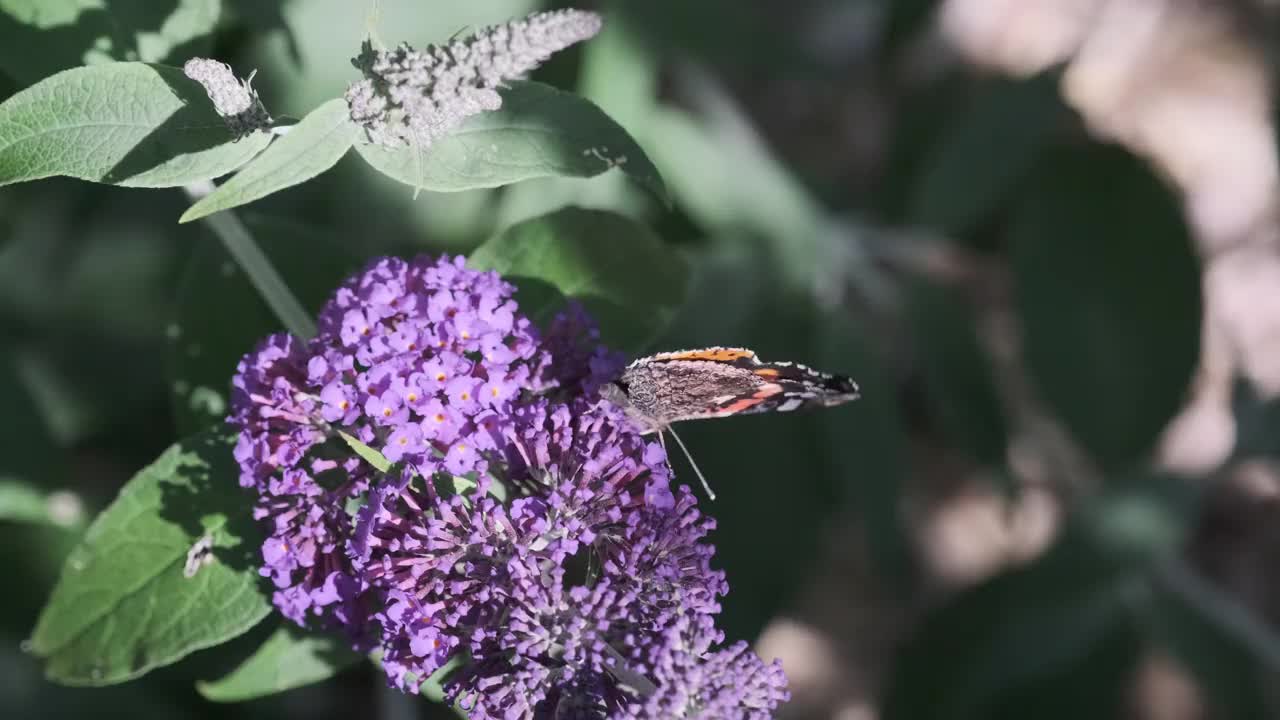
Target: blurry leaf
1108, 293
289, 659
124, 605
27, 448
312, 146
621, 77
1257, 419
983, 153
41, 37
307, 65
924, 117
1062, 627
740, 35
22, 502
866, 446
109, 391
218, 317
25, 695
1139, 519
906, 20
90, 353
100, 246
538, 132
630, 282
1231, 672
122, 123
724, 176
267, 20
619, 74
957, 374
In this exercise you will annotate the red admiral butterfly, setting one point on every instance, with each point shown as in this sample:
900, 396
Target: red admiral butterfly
661, 389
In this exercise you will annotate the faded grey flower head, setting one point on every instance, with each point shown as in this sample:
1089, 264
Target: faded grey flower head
237, 102
418, 96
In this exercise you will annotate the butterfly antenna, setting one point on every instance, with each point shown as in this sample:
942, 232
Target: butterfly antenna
705, 486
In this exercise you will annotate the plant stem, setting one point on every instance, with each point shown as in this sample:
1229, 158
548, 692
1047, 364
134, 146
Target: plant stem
1232, 618
262, 274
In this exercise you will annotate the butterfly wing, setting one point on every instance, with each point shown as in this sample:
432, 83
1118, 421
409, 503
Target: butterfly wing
718, 382
791, 386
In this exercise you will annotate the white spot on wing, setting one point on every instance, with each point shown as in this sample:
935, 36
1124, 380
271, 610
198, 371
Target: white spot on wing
791, 404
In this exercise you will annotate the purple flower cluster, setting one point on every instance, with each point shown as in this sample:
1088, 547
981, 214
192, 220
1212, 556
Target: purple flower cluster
525, 532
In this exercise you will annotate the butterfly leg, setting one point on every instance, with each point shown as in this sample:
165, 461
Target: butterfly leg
702, 478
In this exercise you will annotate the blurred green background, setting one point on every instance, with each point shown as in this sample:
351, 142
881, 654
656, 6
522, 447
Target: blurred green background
1039, 235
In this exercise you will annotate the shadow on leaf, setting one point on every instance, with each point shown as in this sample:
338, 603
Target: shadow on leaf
174, 138
204, 497
48, 42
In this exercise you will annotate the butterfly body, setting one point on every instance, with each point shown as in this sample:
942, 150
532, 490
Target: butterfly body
670, 387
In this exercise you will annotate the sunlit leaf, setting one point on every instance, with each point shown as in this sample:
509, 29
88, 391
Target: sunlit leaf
120, 123
169, 568
312, 146
538, 132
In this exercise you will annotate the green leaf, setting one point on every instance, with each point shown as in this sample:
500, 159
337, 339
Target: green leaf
289, 659
218, 317
123, 124
630, 282
170, 567
41, 37
984, 152
312, 146
366, 453
1108, 292
538, 132
957, 374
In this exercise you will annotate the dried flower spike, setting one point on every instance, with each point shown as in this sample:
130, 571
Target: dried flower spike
416, 96
237, 102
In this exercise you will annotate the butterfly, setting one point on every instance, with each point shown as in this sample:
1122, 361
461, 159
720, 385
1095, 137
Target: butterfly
670, 387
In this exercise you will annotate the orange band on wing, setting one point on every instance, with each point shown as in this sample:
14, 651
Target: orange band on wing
766, 372
763, 393
713, 354
738, 406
